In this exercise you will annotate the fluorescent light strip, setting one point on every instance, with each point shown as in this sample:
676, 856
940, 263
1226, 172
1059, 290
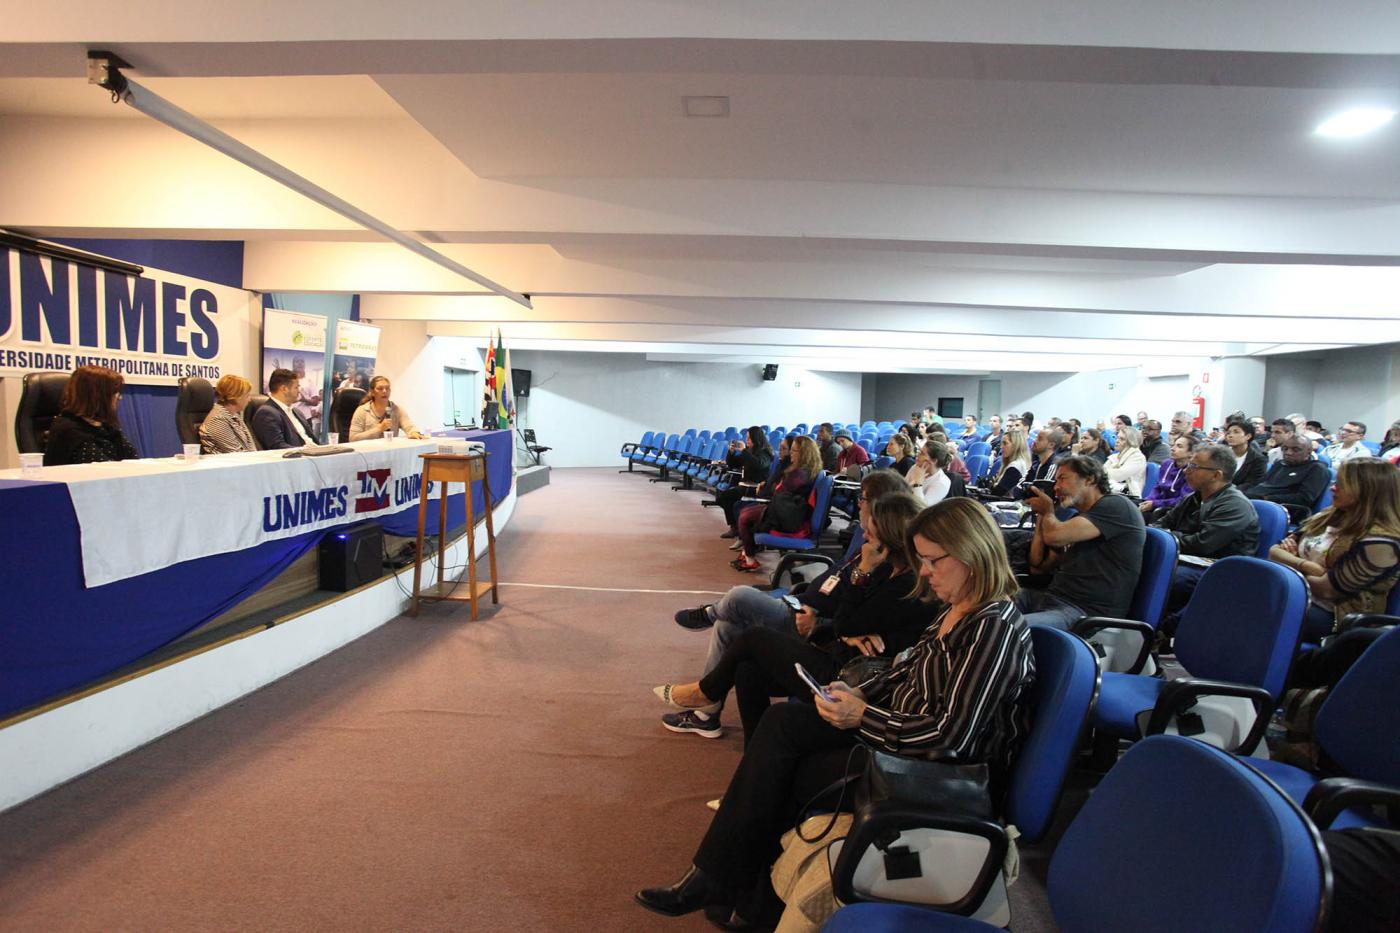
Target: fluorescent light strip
1358, 121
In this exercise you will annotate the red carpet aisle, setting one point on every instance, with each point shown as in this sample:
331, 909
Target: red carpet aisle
436, 774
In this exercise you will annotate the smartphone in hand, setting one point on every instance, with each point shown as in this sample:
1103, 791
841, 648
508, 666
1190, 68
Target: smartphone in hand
811, 681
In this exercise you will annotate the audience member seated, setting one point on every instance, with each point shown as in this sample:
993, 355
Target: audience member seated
1127, 468
1348, 444
377, 416
1317, 434
1349, 552
789, 508
1390, 445
1280, 429
86, 429
1153, 448
1171, 485
962, 693
866, 612
1250, 464
956, 466
1181, 424
994, 436
1051, 446
1092, 444
1214, 521
826, 443
969, 433
1261, 433
276, 424
1015, 464
1296, 481
914, 431
1093, 558
224, 431
930, 474
852, 456
752, 458
901, 450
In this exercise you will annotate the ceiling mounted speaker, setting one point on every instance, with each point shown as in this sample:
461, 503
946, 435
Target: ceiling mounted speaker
770, 372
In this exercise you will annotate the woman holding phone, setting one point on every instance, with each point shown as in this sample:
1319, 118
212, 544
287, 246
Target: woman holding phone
870, 613
962, 691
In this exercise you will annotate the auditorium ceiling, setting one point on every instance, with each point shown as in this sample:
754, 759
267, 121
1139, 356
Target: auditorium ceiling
900, 186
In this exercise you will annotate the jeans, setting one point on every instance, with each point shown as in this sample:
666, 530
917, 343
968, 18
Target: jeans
743, 608
1183, 585
1047, 609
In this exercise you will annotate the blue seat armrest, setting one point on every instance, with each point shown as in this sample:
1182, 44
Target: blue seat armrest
883, 822
1329, 797
1178, 696
628, 449
1089, 626
1368, 620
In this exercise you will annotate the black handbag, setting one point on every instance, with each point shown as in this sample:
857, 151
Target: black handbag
786, 513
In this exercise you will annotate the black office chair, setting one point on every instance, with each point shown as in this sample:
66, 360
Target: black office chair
254, 403
38, 405
192, 406
528, 434
343, 406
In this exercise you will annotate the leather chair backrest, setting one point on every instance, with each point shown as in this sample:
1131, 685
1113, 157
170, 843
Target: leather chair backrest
254, 403
192, 405
38, 406
343, 406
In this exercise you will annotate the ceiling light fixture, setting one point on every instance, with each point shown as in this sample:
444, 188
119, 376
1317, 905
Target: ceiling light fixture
705, 106
1358, 121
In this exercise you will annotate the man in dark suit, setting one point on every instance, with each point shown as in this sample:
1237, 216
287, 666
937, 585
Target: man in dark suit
277, 425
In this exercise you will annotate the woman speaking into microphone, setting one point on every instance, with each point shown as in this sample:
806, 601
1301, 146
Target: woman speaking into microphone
379, 417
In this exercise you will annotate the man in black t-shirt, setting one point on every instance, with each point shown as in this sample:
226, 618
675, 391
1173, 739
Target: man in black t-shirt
1095, 556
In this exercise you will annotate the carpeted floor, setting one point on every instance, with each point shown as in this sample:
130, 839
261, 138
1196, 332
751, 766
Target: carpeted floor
436, 774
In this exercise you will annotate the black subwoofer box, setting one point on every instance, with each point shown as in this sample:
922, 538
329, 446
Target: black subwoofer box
352, 557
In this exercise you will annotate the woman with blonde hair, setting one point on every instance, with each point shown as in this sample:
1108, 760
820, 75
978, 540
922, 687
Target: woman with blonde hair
901, 450
1350, 551
794, 484
1127, 467
962, 692
224, 431
1015, 464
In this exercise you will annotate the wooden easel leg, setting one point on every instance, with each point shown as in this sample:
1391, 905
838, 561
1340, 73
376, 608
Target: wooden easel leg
471, 549
418, 552
490, 537
442, 535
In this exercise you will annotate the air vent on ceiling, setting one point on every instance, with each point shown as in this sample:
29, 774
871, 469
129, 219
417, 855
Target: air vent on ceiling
705, 106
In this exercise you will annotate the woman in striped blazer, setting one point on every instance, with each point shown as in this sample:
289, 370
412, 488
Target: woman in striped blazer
224, 431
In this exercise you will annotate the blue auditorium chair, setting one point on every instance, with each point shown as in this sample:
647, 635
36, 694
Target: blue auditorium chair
675, 456
1178, 836
1150, 476
1125, 645
883, 462
810, 536
1356, 729
1236, 640
633, 452
658, 454
979, 447
977, 466
964, 875
1273, 525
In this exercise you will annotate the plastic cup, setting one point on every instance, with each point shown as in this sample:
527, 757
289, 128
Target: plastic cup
333, 438
31, 464
191, 451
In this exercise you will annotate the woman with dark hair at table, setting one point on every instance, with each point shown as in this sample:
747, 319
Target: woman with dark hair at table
962, 692
224, 431
86, 429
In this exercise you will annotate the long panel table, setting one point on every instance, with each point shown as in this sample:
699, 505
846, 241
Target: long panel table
57, 632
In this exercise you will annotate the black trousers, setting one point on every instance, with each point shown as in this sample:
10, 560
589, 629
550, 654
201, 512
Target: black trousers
758, 665
793, 755
1326, 665
729, 501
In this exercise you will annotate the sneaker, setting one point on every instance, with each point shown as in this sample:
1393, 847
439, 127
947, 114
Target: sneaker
690, 721
695, 619
731, 533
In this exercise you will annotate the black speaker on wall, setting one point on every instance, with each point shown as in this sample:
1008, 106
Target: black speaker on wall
770, 372
520, 379
352, 557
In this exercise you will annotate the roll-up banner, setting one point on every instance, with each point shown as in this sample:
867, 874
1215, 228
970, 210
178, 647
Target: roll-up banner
296, 341
356, 350
154, 329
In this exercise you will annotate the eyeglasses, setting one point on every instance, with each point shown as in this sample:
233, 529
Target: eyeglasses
1198, 466
931, 562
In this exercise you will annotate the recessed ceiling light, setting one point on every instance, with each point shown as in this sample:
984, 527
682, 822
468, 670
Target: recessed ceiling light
1357, 121
705, 106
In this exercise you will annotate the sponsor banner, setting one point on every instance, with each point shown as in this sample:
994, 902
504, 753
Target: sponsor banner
356, 352
137, 516
296, 341
154, 329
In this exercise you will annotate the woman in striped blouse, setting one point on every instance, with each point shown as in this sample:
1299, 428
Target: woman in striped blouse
224, 431
960, 693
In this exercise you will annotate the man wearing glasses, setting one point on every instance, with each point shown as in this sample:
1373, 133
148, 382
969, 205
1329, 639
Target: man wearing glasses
1215, 521
1349, 438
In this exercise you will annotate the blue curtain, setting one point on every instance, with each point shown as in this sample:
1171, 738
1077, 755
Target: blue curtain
147, 414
